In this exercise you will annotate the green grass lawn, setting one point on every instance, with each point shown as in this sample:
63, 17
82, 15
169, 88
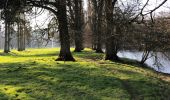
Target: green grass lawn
34, 75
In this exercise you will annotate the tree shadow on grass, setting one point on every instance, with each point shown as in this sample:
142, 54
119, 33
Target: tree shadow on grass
3, 96
38, 55
75, 82
91, 55
84, 54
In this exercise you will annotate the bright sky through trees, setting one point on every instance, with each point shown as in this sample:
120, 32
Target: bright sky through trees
43, 19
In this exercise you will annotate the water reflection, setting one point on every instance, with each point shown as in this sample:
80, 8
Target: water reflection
165, 63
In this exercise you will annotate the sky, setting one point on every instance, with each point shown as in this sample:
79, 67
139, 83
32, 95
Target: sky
41, 20
85, 4
154, 3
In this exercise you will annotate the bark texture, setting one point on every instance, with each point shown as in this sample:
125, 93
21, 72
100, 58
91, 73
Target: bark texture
65, 53
111, 50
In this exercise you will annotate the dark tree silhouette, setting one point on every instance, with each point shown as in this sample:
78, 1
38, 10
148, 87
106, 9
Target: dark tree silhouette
65, 53
111, 53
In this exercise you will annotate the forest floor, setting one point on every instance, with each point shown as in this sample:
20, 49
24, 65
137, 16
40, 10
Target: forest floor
35, 75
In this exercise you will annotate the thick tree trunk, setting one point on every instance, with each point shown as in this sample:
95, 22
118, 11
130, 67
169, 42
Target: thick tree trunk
65, 54
78, 27
111, 50
7, 37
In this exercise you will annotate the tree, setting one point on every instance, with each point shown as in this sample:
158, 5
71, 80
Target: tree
96, 12
59, 10
92, 14
8, 17
21, 32
7, 37
65, 53
78, 26
111, 52
99, 26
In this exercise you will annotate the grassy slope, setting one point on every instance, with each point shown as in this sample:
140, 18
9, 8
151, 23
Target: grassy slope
34, 75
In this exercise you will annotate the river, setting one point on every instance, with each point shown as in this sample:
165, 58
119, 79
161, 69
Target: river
165, 63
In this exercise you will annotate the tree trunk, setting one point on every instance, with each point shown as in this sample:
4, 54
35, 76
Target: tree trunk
78, 26
144, 56
21, 37
82, 23
99, 27
94, 24
65, 54
7, 37
111, 52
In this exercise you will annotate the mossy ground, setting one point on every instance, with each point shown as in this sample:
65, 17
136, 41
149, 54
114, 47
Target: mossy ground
35, 75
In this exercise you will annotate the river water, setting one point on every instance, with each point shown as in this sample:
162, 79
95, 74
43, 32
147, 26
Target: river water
165, 63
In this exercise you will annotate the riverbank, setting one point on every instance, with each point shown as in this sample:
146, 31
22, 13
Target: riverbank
163, 76
33, 74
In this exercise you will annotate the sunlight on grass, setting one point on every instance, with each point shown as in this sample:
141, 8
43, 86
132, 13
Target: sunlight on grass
12, 92
35, 75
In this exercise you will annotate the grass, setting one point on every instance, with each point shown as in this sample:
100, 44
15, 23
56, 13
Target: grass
34, 75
